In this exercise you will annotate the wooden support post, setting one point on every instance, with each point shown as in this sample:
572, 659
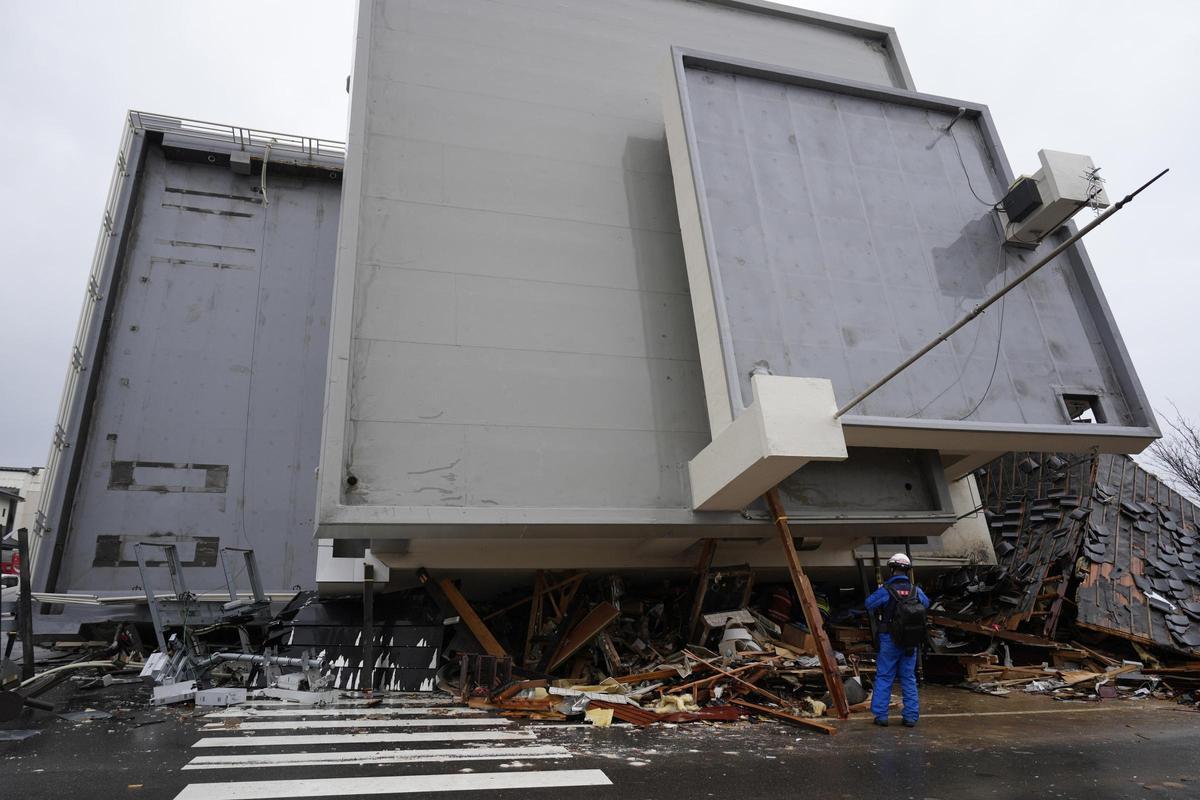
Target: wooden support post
534, 630
707, 551
471, 619
808, 603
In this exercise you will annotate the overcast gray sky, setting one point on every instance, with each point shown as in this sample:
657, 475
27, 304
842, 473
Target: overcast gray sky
1111, 79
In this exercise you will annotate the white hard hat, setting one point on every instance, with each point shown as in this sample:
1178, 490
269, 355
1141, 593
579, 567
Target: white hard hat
899, 560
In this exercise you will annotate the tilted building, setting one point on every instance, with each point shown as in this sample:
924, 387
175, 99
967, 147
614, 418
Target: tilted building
531, 365
604, 272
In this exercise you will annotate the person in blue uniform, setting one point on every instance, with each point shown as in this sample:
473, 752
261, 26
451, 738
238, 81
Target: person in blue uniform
894, 659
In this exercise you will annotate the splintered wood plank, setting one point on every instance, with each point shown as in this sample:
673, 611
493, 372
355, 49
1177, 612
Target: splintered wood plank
808, 604
472, 620
596, 620
783, 716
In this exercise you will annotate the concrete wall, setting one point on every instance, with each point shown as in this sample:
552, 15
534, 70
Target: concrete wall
966, 541
513, 345
845, 225
204, 426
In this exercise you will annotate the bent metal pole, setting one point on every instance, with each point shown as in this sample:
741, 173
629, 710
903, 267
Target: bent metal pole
979, 309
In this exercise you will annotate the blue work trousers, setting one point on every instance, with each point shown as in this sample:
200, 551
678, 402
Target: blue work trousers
892, 659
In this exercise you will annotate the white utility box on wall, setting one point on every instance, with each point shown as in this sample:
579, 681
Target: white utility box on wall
1037, 205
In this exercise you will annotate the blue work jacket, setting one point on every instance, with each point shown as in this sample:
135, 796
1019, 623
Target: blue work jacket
880, 597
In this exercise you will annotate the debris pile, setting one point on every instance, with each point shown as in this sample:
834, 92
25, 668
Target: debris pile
599, 649
1095, 594
1096, 589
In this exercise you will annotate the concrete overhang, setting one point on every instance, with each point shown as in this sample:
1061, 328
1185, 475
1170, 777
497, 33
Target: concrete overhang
790, 423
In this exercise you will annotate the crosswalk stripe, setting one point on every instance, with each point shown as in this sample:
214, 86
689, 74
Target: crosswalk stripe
414, 711
349, 757
361, 738
395, 784
424, 722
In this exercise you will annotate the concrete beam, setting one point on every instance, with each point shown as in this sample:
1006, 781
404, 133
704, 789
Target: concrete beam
789, 423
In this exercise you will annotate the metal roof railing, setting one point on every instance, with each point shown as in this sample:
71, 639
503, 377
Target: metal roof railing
243, 138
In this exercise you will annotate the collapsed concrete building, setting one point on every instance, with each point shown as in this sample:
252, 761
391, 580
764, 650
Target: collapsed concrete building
603, 274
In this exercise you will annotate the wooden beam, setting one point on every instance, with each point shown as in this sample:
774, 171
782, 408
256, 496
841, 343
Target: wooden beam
525, 600
472, 620
534, 630
707, 551
779, 714
808, 604
683, 687
599, 618
769, 695
999, 633
652, 675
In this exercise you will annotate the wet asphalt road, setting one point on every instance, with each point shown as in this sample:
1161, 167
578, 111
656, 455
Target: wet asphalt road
967, 746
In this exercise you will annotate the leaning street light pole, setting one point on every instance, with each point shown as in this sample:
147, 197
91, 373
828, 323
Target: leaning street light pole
979, 309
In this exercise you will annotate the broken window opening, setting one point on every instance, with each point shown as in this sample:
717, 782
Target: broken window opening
1084, 408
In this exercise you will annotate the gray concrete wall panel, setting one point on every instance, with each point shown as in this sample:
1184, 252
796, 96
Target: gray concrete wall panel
846, 226
214, 365
513, 342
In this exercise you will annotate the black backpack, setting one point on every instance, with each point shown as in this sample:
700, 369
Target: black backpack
907, 627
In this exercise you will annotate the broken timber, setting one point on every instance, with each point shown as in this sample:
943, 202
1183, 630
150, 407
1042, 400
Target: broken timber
808, 603
770, 695
472, 620
778, 714
596, 620
999, 633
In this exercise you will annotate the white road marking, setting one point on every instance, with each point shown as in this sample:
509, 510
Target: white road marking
344, 757
362, 738
1020, 713
351, 702
424, 722
231, 713
398, 784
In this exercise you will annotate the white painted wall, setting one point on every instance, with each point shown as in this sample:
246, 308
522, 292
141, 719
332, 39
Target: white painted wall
28, 482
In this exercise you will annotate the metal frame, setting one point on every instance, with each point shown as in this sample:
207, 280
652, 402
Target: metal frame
242, 138
863, 430
251, 565
183, 608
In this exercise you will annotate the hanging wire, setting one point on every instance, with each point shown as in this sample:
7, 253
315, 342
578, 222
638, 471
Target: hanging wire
962, 163
1002, 266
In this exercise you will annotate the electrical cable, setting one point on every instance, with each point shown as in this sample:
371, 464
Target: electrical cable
262, 249
962, 163
79, 665
1001, 260
999, 341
